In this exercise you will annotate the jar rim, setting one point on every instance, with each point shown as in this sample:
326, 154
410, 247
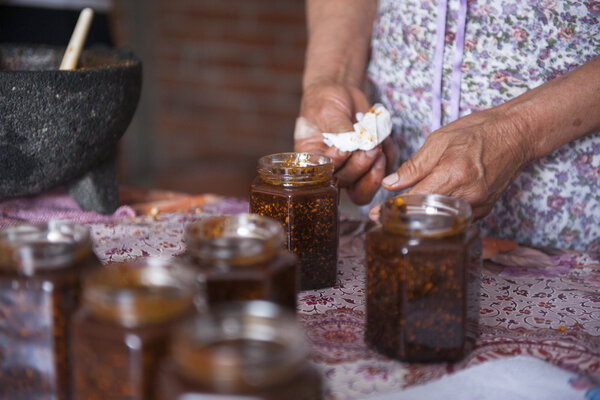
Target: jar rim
425, 215
233, 240
255, 320
295, 169
54, 245
144, 291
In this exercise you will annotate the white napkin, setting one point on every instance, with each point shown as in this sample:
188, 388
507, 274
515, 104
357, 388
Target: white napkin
370, 130
514, 378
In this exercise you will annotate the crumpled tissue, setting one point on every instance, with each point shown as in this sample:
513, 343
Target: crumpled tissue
370, 130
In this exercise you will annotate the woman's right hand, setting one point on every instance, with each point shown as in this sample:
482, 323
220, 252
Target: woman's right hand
328, 107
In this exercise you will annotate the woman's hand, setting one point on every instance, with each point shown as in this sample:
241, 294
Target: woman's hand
474, 158
331, 108
338, 48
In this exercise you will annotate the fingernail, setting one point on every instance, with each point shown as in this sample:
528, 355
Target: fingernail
390, 180
373, 152
341, 153
379, 163
374, 213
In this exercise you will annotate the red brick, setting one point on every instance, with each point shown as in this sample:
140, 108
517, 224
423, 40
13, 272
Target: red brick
296, 17
226, 177
225, 82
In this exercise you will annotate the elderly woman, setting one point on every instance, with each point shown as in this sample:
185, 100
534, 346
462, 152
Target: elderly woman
495, 102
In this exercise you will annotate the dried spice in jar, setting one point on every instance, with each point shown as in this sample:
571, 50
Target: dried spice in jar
296, 189
241, 257
423, 266
252, 350
40, 269
121, 330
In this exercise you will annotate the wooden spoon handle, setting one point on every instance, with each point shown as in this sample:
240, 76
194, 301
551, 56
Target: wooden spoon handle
77, 41
178, 204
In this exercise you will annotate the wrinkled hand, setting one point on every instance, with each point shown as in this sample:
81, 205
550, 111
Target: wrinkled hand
331, 108
474, 158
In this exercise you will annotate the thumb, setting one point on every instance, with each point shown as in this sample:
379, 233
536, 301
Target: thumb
337, 123
305, 129
331, 107
334, 121
308, 138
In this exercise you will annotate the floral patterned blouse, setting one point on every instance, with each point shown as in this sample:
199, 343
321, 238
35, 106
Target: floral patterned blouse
510, 46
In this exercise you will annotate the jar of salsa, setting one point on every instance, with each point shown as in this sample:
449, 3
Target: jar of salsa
423, 279
40, 269
251, 350
297, 190
121, 330
241, 257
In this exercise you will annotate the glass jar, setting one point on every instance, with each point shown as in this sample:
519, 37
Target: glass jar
423, 278
241, 257
121, 330
297, 190
252, 350
40, 268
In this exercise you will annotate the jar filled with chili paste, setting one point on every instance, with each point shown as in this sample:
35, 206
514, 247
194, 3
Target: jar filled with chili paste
423, 279
252, 350
242, 257
297, 190
121, 330
40, 270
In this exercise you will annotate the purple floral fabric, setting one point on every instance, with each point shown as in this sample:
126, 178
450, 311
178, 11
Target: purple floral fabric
510, 46
544, 304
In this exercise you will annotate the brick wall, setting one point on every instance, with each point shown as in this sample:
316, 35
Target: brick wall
222, 88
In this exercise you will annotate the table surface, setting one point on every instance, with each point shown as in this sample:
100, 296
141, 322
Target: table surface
544, 304
538, 302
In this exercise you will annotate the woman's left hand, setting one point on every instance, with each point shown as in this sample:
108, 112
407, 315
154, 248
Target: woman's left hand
474, 158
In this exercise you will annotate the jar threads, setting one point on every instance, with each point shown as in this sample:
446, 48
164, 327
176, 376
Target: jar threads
423, 278
40, 270
121, 330
254, 349
242, 257
297, 190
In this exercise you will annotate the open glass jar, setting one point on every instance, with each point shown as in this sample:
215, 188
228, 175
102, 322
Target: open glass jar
297, 190
423, 279
40, 270
121, 330
241, 257
247, 351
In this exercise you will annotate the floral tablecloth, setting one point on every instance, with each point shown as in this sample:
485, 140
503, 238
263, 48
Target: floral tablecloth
535, 302
542, 303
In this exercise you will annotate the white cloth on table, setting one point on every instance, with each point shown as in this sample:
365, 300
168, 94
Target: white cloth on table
514, 378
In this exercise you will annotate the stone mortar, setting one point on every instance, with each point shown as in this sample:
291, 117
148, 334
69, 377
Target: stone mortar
62, 127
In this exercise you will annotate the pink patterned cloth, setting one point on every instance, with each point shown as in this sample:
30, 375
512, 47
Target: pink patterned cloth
541, 303
549, 309
56, 204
